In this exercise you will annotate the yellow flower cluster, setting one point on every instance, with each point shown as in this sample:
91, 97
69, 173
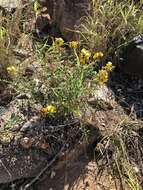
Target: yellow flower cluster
12, 70
37, 7
49, 109
109, 67
98, 55
58, 42
103, 75
84, 56
73, 44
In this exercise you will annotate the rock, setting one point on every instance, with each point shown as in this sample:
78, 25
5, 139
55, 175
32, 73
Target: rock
21, 53
103, 98
71, 17
2, 110
132, 57
10, 5
104, 93
53, 173
28, 72
34, 122
64, 17
26, 142
20, 164
42, 26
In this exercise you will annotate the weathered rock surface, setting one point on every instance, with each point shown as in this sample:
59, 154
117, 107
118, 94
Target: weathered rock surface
65, 15
132, 62
20, 163
22, 155
60, 16
26, 148
9, 5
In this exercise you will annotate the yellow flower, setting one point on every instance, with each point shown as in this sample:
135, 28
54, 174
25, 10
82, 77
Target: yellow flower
84, 56
109, 67
98, 55
2, 32
82, 60
73, 44
85, 53
58, 42
12, 70
102, 76
37, 8
49, 109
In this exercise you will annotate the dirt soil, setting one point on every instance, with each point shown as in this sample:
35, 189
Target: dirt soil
81, 173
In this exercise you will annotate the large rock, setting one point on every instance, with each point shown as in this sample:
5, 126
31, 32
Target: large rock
65, 15
132, 57
20, 163
10, 5
21, 155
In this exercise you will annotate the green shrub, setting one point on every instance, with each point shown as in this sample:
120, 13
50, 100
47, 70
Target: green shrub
63, 77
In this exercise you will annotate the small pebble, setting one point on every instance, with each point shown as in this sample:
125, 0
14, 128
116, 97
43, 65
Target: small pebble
136, 169
26, 142
53, 173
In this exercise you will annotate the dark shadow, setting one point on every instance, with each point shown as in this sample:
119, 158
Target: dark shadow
128, 92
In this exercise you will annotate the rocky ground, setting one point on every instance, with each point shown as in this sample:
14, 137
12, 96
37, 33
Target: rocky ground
79, 168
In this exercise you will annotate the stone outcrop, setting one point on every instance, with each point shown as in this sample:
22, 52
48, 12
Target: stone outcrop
61, 16
17, 164
65, 16
10, 5
132, 57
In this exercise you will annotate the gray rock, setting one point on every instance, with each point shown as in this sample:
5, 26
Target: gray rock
132, 57
2, 110
31, 124
10, 4
65, 16
103, 97
20, 164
